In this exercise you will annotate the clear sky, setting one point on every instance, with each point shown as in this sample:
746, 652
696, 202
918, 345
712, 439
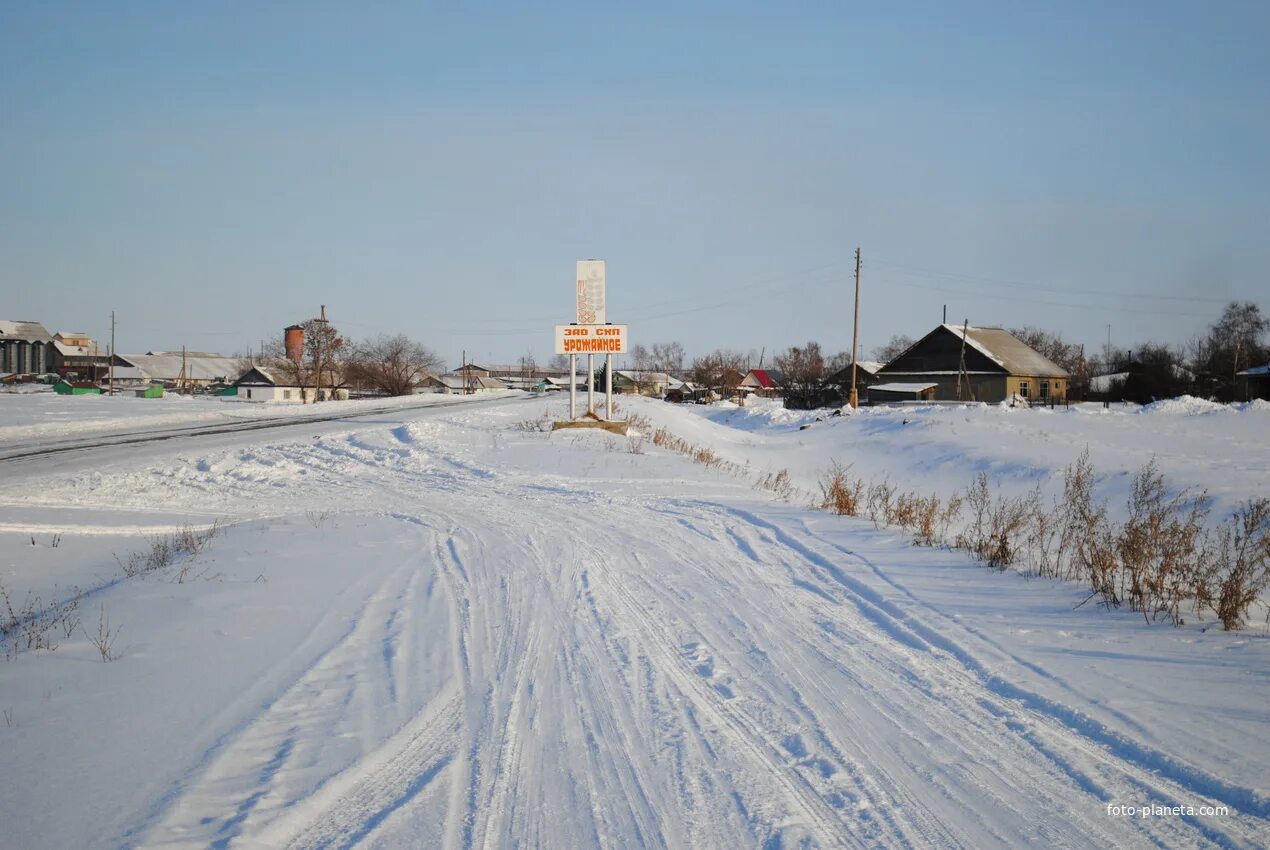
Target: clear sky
214, 172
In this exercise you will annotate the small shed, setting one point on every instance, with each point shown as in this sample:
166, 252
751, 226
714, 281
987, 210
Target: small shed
152, 391
915, 391
76, 388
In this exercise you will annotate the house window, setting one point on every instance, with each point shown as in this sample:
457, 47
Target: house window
249, 394
286, 395
1045, 389
1023, 389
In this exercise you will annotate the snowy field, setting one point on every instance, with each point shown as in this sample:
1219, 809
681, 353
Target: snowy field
439, 628
42, 417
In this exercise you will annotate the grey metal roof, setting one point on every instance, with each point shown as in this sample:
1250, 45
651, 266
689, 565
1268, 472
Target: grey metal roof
25, 331
198, 367
1010, 352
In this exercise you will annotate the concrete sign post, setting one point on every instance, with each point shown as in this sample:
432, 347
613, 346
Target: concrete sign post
591, 334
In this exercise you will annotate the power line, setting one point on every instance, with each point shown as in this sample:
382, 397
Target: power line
1005, 282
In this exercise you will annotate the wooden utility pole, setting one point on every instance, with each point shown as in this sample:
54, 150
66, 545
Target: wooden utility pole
184, 381
854, 398
110, 358
961, 368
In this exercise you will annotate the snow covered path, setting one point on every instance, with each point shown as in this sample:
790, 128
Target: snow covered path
552, 642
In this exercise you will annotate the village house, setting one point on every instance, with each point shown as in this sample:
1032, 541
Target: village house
1253, 383
262, 384
762, 382
987, 363
637, 381
469, 383
866, 375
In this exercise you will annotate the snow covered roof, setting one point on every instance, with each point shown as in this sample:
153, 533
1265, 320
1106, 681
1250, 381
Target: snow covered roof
1255, 371
199, 366
868, 368
68, 350
1008, 351
460, 382
902, 387
259, 376
25, 330
638, 377
126, 373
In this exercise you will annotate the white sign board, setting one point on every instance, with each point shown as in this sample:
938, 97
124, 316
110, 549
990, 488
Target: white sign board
590, 292
590, 339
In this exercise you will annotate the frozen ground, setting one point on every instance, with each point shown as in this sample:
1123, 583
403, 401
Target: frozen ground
434, 628
1196, 444
28, 418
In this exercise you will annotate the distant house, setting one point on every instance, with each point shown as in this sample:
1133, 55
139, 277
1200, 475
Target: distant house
998, 366
866, 375
762, 382
261, 384
639, 381
469, 384
1253, 383
76, 353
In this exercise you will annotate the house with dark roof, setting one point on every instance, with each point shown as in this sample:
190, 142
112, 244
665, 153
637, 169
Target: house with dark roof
1253, 383
974, 363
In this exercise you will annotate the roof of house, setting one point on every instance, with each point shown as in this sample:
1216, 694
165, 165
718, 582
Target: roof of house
460, 382
25, 330
868, 367
126, 373
1012, 353
1255, 371
68, 350
638, 377
258, 376
766, 378
199, 366
902, 387
998, 345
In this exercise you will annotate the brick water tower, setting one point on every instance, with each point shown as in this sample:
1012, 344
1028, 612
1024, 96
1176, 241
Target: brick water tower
293, 343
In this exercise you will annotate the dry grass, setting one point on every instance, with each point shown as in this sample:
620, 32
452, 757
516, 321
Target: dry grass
32, 626
1162, 561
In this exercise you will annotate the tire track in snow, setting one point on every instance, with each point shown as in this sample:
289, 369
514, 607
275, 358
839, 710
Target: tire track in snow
1129, 760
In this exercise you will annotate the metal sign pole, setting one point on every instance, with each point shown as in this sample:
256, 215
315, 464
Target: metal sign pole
590, 384
608, 387
573, 386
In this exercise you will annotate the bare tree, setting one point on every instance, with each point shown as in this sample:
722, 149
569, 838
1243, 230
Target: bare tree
1235, 341
319, 365
559, 364
802, 375
668, 357
719, 370
392, 365
893, 348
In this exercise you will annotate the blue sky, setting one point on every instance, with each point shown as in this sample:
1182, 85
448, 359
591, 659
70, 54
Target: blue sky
213, 172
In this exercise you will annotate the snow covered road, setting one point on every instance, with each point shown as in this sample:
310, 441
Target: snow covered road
476, 636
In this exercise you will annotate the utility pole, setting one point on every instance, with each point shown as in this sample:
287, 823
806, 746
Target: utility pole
854, 398
961, 369
110, 360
